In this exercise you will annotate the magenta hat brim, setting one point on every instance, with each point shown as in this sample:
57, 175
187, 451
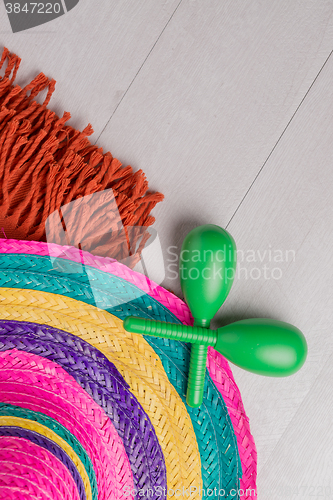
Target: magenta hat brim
38, 384
100, 378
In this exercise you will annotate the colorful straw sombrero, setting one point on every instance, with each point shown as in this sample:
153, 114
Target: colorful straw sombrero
108, 407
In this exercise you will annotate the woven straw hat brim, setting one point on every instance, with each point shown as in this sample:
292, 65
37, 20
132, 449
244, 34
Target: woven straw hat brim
100, 378
8, 492
15, 416
38, 384
136, 361
217, 365
17, 468
35, 459
221, 468
173, 303
21, 439
19, 477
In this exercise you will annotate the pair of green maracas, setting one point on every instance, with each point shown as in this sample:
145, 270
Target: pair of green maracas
264, 346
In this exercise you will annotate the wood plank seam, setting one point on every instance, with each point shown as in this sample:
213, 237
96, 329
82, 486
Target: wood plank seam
279, 139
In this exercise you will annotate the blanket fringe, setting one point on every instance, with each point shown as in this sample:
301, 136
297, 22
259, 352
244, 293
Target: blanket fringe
46, 164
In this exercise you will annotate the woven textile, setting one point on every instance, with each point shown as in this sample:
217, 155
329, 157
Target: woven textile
20, 458
102, 289
14, 416
35, 383
136, 361
102, 381
107, 291
31, 443
217, 365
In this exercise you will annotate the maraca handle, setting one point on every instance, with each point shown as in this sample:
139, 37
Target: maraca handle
193, 334
196, 376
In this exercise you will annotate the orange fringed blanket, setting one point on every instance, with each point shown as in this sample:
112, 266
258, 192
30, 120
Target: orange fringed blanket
45, 165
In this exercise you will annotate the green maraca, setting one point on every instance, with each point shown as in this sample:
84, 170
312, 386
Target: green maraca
207, 268
263, 346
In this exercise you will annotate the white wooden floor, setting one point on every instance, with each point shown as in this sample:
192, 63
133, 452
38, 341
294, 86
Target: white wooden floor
227, 105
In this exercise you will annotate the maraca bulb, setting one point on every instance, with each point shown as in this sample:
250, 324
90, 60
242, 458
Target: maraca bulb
263, 346
207, 269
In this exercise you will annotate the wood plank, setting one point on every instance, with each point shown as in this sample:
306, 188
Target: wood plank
304, 470
94, 51
211, 101
290, 208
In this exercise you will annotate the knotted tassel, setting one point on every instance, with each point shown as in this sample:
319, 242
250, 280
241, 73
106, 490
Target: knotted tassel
46, 167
